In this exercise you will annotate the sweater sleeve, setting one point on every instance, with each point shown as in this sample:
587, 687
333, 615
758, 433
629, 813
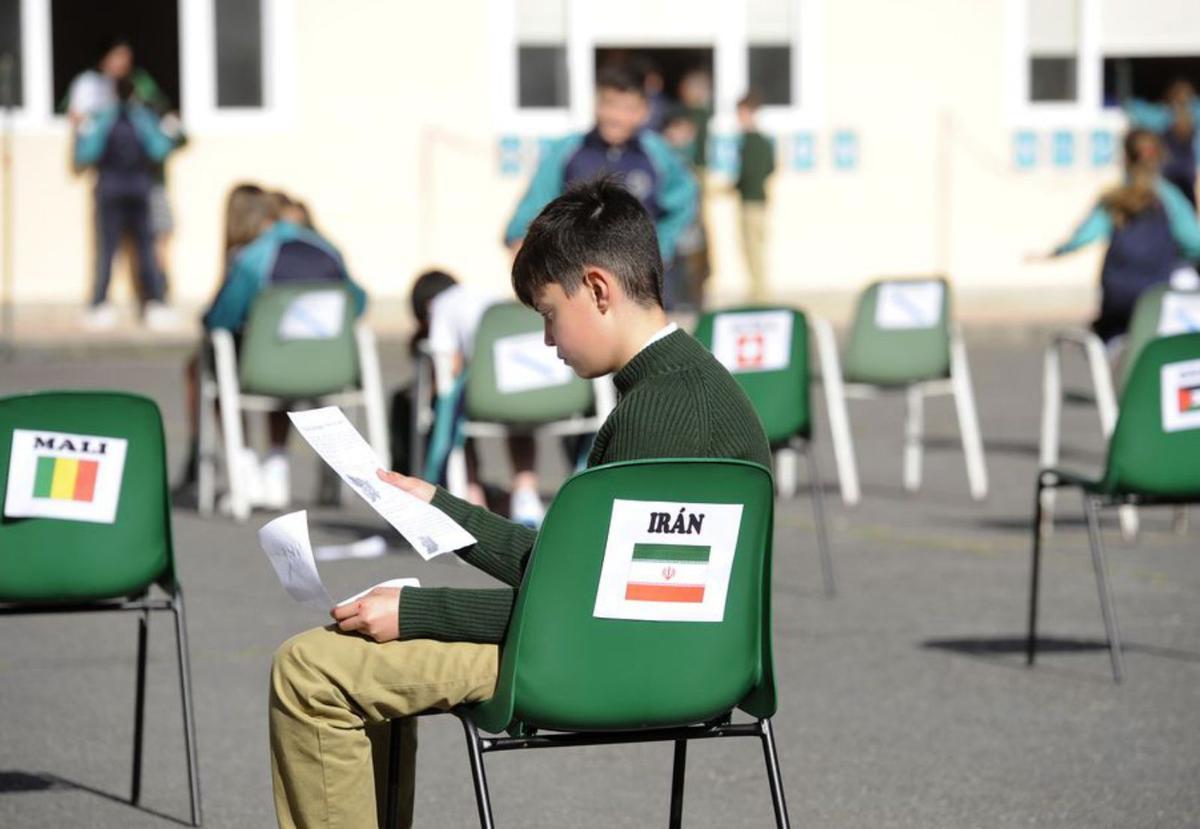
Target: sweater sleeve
677, 194
502, 546
1097, 225
232, 305
1182, 219
450, 614
546, 185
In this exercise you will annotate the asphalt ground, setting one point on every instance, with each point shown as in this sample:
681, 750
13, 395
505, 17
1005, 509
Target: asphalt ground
905, 701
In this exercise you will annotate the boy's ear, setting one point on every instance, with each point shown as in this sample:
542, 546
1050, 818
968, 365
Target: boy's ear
599, 284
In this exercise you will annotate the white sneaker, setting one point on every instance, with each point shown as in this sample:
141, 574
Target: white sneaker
276, 481
251, 477
159, 317
100, 317
527, 508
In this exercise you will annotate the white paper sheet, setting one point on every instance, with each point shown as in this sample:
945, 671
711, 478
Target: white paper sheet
65, 476
524, 363
316, 315
286, 543
753, 340
1181, 396
1180, 313
908, 305
667, 561
429, 530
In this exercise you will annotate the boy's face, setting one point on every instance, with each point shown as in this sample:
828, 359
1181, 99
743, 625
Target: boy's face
745, 117
576, 329
619, 114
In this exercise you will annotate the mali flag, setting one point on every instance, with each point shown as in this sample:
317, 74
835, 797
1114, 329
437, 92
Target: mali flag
65, 479
667, 573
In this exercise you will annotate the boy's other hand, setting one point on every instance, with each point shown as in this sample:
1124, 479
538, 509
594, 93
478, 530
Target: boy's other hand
413, 486
376, 615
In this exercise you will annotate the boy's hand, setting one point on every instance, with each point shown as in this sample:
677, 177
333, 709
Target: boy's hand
413, 486
376, 615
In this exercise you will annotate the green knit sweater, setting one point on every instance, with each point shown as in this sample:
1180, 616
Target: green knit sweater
674, 401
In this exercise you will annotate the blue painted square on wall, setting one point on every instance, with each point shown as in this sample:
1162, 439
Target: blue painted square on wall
1104, 145
510, 155
845, 150
804, 156
1063, 148
723, 154
1025, 150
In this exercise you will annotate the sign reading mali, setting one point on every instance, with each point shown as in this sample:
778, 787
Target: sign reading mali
667, 561
59, 475
1181, 396
753, 340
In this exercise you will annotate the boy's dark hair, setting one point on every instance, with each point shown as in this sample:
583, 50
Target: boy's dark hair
595, 223
751, 100
622, 77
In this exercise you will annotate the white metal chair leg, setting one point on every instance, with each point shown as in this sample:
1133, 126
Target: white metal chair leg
968, 420
1048, 444
372, 387
786, 470
913, 416
835, 402
206, 443
231, 421
456, 472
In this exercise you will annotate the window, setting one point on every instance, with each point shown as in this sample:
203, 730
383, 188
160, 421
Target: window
541, 30
1147, 44
769, 29
80, 31
238, 44
11, 89
1053, 38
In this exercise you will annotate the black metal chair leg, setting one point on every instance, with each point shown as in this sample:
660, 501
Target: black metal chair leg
139, 710
478, 776
818, 502
677, 774
776, 780
1107, 607
185, 690
1035, 570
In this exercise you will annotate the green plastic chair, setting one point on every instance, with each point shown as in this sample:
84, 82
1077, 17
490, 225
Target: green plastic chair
781, 397
495, 408
287, 361
56, 565
895, 344
1146, 324
1146, 464
594, 680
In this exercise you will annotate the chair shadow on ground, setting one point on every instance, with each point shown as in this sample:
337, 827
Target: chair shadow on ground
992, 648
17, 782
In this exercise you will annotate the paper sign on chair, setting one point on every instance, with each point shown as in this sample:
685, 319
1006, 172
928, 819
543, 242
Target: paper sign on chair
909, 305
65, 476
1181, 396
316, 315
525, 363
753, 340
667, 561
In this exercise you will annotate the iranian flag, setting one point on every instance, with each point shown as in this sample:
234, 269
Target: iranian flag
1189, 399
667, 573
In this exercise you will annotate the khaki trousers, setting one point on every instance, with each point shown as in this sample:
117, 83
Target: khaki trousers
332, 694
754, 243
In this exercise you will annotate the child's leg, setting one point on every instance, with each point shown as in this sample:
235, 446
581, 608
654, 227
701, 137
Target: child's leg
138, 216
110, 221
527, 505
327, 686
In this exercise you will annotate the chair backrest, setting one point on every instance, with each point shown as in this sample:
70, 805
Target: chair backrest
901, 333
299, 341
1155, 447
514, 377
1160, 312
645, 602
766, 350
84, 513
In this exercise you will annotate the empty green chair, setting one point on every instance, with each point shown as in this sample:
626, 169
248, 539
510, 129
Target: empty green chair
87, 526
1160, 311
301, 348
516, 384
766, 349
903, 338
644, 615
1152, 459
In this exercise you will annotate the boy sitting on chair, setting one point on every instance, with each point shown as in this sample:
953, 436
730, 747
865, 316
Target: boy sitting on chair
590, 266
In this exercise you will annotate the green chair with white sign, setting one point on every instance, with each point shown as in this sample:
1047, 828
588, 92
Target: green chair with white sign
1160, 311
904, 339
766, 349
1152, 459
644, 615
516, 385
86, 526
301, 348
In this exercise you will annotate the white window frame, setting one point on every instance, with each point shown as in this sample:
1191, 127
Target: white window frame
1087, 110
730, 67
197, 70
